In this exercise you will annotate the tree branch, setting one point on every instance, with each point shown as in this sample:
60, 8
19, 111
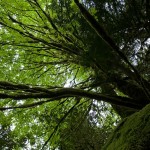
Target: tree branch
57, 126
31, 105
27, 92
103, 34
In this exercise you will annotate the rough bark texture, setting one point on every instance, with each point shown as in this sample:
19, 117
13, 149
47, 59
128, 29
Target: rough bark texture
133, 133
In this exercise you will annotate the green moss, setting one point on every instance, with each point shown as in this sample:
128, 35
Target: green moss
133, 133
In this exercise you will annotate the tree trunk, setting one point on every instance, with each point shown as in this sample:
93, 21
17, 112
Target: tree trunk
133, 133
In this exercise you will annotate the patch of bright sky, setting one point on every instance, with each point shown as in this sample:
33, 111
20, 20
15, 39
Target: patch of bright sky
109, 8
147, 41
68, 83
16, 56
137, 47
103, 114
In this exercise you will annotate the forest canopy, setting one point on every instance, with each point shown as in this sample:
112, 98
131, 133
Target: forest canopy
71, 70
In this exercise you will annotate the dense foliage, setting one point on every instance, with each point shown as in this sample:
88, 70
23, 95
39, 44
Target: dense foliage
70, 70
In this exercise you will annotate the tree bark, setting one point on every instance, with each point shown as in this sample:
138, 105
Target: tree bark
133, 133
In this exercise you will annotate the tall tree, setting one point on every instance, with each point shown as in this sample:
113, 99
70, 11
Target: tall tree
66, 66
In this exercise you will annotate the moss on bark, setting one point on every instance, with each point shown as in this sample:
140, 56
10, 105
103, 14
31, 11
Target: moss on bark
133, 133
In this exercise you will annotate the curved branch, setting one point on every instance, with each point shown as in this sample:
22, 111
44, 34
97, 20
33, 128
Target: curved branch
34, 92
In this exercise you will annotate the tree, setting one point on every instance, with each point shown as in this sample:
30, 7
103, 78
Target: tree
65, 61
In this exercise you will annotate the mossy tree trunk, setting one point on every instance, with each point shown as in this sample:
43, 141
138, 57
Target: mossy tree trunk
133, 133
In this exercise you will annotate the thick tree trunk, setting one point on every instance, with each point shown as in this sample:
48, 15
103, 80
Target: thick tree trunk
133, 133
